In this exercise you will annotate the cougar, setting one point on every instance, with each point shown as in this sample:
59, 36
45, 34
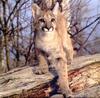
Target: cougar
51, 37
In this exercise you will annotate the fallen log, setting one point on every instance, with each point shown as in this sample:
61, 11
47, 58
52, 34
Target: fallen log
84, 77
23, 83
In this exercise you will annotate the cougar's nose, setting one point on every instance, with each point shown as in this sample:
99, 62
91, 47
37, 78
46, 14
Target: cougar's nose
48, 27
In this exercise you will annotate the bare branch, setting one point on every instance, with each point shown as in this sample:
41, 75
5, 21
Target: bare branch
97, 19
17, 2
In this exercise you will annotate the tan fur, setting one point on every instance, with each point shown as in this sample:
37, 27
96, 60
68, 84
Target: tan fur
56, 43
66, 41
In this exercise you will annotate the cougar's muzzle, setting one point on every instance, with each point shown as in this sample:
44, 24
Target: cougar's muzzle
48, 27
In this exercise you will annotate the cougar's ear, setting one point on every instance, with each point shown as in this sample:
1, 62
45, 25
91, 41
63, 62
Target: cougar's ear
56, 9
35, 10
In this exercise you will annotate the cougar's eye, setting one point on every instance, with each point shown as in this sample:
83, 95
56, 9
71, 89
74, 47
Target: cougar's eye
53, 19
41, 20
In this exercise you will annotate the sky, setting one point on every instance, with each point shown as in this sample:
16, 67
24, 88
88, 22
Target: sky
95, 5
94, 9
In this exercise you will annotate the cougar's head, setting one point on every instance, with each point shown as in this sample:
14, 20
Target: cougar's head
45, 21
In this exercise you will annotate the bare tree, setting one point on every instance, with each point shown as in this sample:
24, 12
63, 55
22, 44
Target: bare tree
81, 22
10, 27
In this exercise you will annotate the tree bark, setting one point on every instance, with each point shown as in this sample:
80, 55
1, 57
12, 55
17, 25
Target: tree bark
1, 50
5, 34
23, 83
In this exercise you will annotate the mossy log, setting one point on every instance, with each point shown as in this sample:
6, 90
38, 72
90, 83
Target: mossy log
84, 77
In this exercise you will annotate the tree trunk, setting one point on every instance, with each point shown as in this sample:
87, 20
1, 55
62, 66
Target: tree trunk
7, 52
23, 83
1, 50
5, 34
17, 42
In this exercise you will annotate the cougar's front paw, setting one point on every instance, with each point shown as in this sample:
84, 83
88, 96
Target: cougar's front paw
68, 95
39, 71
